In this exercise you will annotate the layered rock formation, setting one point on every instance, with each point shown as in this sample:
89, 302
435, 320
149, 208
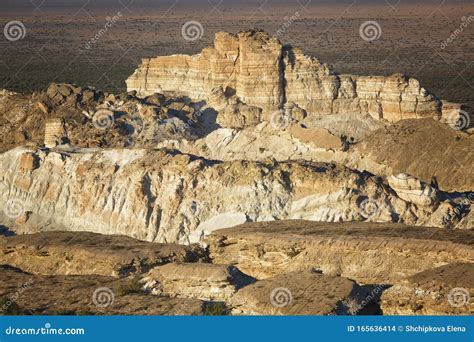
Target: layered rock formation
209, 282
262, 72
25, 294
444, 290
67, 253
366, 253
164, 196
298, 293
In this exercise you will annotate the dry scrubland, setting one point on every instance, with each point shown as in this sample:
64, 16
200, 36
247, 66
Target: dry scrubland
53, 49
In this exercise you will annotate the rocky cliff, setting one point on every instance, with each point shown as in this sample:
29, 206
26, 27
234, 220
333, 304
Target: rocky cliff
263, 73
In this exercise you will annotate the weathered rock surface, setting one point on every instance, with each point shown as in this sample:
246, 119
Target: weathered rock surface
298, 293
411, 189
164, 196
367, 253
444, 290
208, 282
426, 149
26, 294
263, 73
86, 117
67, 253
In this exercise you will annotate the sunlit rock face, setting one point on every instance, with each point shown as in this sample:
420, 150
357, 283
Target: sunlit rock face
262, 72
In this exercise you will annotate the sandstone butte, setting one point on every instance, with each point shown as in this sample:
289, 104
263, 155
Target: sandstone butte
263, 73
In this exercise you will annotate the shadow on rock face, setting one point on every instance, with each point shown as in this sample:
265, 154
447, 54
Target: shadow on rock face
5, 231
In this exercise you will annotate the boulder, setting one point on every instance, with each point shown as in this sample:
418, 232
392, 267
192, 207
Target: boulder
298, 293
208, 282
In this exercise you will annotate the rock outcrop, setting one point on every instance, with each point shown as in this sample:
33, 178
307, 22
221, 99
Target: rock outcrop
203, 281
164, 196
367, 253
67, 253
263, 73
25, 294
298, 293
444, 290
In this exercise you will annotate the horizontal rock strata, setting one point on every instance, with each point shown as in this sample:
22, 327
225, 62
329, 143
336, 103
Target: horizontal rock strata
208, 282
262, 72
367, 253
68, 253
165, 196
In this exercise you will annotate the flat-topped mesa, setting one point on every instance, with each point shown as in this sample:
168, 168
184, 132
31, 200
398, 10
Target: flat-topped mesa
262, 72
